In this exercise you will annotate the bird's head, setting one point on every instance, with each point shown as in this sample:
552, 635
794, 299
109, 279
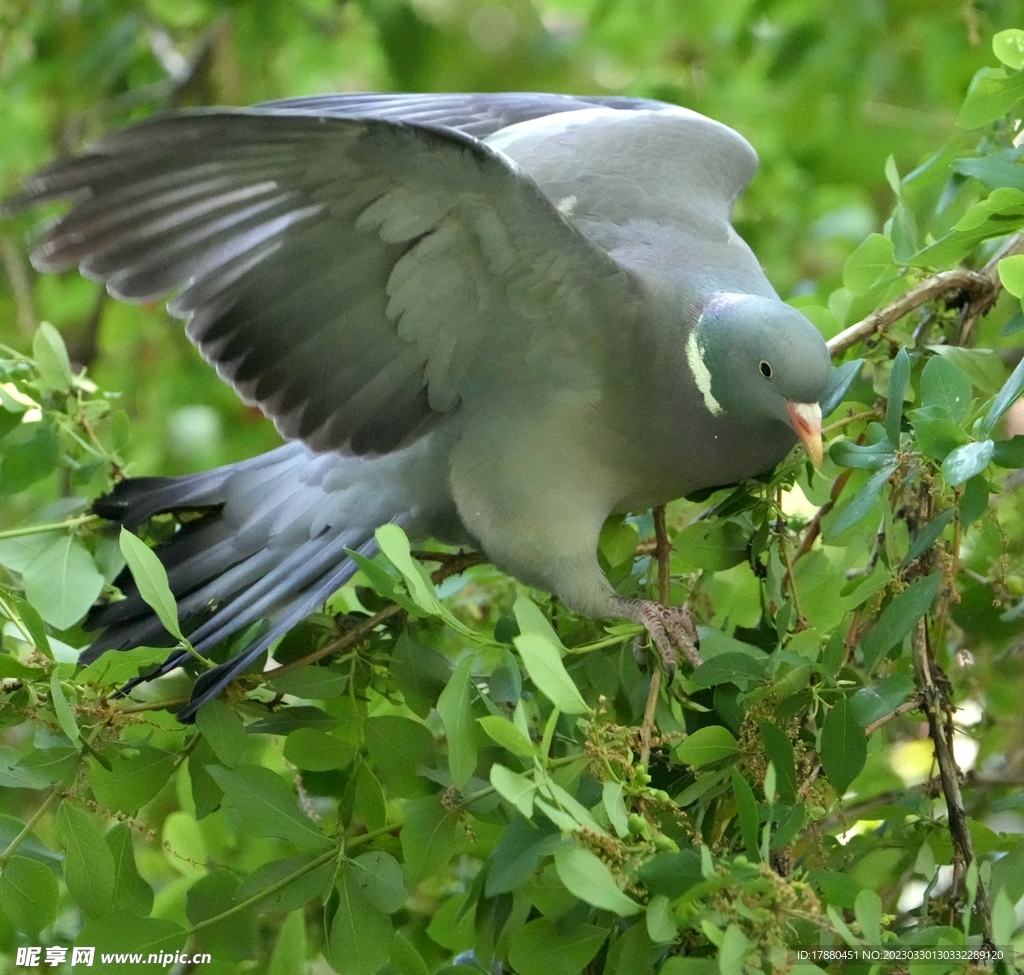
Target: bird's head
757, 358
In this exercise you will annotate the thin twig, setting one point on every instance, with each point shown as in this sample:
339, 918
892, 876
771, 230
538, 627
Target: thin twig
935, 706
885, 719
662, 551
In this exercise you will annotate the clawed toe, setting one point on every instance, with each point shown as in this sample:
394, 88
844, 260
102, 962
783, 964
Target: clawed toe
669, 627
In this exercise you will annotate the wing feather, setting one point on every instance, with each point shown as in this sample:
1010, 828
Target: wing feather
345, 274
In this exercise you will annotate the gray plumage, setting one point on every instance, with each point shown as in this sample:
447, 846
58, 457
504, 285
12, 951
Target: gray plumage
495, 319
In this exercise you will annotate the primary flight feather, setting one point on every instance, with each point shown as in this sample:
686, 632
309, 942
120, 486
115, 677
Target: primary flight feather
491, 319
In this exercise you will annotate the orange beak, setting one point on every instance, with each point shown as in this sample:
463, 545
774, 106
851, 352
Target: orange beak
806, 420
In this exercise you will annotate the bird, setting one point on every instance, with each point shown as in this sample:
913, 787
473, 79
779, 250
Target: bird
491, 319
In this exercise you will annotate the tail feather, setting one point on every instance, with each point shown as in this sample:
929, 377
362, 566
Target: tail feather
269, 545
210, 683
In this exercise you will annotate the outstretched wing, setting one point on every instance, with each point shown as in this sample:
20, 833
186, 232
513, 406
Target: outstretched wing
353, 277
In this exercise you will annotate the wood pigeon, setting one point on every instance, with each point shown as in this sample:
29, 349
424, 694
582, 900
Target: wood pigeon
491, 319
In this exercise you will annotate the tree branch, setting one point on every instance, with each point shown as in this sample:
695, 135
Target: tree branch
980, 288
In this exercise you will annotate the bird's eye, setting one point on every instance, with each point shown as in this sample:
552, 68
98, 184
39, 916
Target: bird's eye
766, 368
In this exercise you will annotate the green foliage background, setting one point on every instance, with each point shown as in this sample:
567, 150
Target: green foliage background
469, 776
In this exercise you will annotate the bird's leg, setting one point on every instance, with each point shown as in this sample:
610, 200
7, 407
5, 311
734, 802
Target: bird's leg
669, 626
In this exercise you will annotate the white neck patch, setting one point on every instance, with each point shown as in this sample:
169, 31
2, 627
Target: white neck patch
701, 375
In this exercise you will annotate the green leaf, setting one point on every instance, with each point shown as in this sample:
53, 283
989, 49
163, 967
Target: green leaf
1008, 46
984, 366
317, 751
515, 858
267, 806
430, 836
867, 457
938, 438
62, 582
311, 682
898, 380
732, 953
378, 876
872, 260
405, 959
661, 922
966, 461
544, 665
455, 708
292, 896
384, 585
28, 895
587, 877
868, 910
532, 620
507, 735
222, 728
1011, 272
88, 863
990, 95
144, 935
151, 578
927, 535
974, 501
44, 767
27, 454
51, 357
740, 669
747, 813
135, 776
881, 698
671, 874
515, 788
543, 947
707, 745
398, 748
899, 618
711, 546
1009, 453
361, 934
121, 667
864, 501
779, 749
994, 170
132, 895
65, 716
1005, 398
945, 385
394, 544
844, 748
370, 800
615, 808
289, 954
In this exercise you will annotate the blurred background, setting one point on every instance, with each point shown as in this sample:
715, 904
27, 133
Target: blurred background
824, 91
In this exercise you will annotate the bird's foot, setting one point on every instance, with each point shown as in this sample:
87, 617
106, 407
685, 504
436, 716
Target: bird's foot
669, 626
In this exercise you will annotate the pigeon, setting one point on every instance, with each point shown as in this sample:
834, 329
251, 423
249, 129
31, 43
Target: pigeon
491, 319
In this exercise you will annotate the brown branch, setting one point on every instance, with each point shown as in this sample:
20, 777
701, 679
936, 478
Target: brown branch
662, 550
976, 284
932, 687
980, 288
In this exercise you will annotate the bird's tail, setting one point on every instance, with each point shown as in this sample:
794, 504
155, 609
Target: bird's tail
268, 543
